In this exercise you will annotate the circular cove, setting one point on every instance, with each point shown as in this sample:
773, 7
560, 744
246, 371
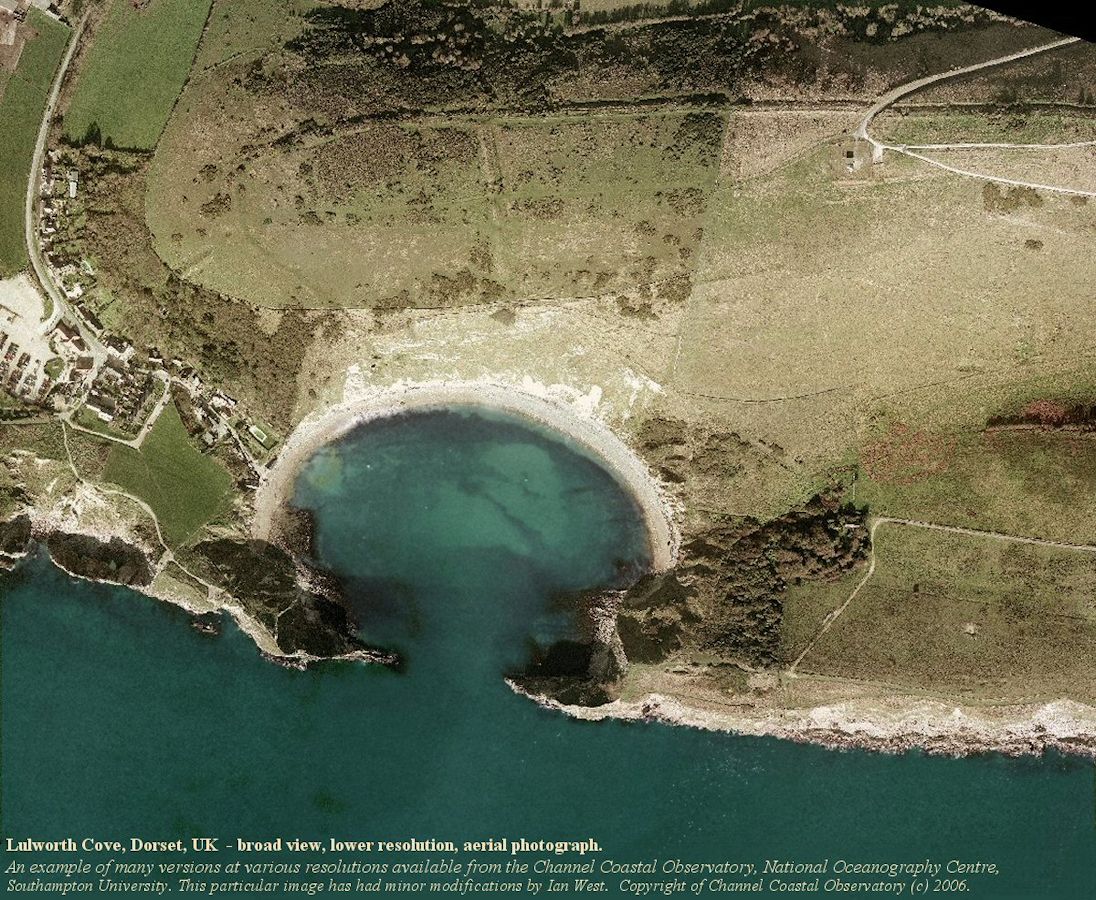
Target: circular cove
454, 529
552, 419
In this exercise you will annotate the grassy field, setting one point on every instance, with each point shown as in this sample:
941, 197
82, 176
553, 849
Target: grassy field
806, 605
44, 440
794, 328
590, 207
184, 488
238, 30
1073, 168
976, 617
825, 306
134, 72
1027, 483
1014, 127
89, 454
174, 583
21, 109
436, 215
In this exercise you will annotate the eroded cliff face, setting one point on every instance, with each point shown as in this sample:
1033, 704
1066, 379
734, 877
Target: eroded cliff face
89, 557
298, 608
723, 600
301, 608
586, 669
15, 537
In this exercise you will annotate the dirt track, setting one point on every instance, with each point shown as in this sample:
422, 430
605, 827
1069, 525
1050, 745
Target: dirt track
932, 526
863, 133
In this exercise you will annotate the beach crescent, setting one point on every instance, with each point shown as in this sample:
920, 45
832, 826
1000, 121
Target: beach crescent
582, 429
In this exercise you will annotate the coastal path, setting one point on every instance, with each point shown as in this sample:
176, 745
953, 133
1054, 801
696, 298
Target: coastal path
168, 553
876, 522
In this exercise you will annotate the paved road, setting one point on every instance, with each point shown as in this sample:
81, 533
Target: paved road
863, 129
34, 251
901, 91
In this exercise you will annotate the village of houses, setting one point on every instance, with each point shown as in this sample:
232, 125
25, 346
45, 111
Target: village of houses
66, 362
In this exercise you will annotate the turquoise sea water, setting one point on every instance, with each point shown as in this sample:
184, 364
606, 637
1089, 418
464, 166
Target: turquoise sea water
453, 530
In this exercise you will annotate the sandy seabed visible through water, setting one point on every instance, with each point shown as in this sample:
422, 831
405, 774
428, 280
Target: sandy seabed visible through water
896, 724
549, 407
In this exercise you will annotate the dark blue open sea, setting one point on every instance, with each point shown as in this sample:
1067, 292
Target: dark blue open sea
454, 530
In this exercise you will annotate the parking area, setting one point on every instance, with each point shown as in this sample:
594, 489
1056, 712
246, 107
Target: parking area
24, 349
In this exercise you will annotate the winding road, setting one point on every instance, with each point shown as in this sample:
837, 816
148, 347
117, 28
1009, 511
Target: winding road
34, 250
863, 131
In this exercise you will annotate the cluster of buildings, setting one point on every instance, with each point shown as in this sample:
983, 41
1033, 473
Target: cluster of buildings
111, 389
70, 339
127, 388
213, 419
59, 188
19, 8
123, 392
112, 381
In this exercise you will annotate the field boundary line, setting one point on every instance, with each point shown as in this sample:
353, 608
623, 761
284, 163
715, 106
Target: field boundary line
876, 522
834, 614
985, 533
168, 556
1068, 145
891, 97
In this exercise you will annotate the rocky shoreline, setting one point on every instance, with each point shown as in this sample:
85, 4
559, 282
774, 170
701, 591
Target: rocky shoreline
715, 591
682, 603
905, 724
322, 629
660, 614
573, 683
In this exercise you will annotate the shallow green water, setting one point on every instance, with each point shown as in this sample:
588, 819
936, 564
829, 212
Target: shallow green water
453, 530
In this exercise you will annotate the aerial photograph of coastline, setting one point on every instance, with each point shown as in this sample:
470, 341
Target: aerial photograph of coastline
623, 447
